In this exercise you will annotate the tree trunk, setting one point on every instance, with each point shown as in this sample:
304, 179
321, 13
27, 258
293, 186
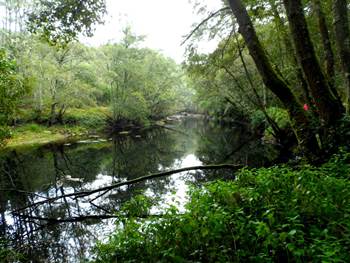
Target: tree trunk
272, 80
341, 26
326, 42
61, 113
52, 118
329, 54
330, 110
302, 89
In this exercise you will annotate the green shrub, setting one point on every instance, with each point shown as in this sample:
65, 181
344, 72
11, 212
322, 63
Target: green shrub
257, 118
278, 214
5, 133
278, 115
94, 118
134, 108
9, 255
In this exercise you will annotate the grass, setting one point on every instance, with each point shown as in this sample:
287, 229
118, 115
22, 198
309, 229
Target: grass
78, 123
30, 135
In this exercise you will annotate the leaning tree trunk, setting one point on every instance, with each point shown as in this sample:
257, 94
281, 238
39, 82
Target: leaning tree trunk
304, 90
327, 46
326, 42
341, 26
272, 81
330, 110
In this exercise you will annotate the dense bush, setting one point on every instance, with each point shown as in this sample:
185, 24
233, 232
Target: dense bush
11, 90
278, 214
9, 255
94, 118
279, 115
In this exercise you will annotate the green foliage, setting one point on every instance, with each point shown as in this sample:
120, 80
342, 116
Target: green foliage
278, 214
32, 127
138, 84
278, 115
143, 83
94, 118
257, 118
11, 90
61, 21
8, 255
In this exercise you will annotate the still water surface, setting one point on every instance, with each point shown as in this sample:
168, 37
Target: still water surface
33, 175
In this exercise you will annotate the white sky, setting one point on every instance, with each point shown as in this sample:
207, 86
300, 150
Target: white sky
164, 22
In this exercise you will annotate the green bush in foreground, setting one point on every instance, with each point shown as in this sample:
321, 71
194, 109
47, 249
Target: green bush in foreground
277, 214
9, 255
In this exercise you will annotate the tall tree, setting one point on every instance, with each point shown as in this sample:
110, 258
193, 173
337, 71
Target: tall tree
330, 110
341, 26
326, 41
271, 79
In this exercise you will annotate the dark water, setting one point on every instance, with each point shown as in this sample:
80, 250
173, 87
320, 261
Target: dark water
33, 175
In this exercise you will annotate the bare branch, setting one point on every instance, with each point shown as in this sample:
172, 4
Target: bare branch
75, 219
133, 181
203, 22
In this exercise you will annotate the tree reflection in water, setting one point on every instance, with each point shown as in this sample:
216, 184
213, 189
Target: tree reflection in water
66, 229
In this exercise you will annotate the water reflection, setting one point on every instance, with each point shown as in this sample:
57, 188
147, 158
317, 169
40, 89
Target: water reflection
31, 176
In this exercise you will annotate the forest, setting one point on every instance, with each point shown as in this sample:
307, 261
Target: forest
117, 152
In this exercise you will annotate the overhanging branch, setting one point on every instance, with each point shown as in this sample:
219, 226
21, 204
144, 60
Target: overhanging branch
203, 22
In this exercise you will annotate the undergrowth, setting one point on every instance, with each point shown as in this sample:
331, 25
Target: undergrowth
277, 214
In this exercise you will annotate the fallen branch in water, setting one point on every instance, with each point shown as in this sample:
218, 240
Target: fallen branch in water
52, 221
133, 181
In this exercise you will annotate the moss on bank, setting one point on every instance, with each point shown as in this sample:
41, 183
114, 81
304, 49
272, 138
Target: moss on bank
31, 135
33, 131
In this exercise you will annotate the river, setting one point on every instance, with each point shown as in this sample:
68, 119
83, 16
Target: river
30, 176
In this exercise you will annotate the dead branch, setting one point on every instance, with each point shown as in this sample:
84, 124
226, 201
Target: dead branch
76, 219
133, 181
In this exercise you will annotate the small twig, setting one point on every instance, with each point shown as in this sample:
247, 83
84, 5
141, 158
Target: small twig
100, 195
99, 207
21, 191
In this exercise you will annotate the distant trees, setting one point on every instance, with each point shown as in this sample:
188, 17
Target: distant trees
14, 18
144, 84
11, 91
137, 84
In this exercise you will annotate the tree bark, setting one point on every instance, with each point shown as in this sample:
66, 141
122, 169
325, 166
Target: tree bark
330, 110
326, 42
302, 91
342, 37
52, 118
328, 51
272, 81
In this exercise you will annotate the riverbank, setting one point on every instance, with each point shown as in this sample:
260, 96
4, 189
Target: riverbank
34, 135
81, 124
33, 130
